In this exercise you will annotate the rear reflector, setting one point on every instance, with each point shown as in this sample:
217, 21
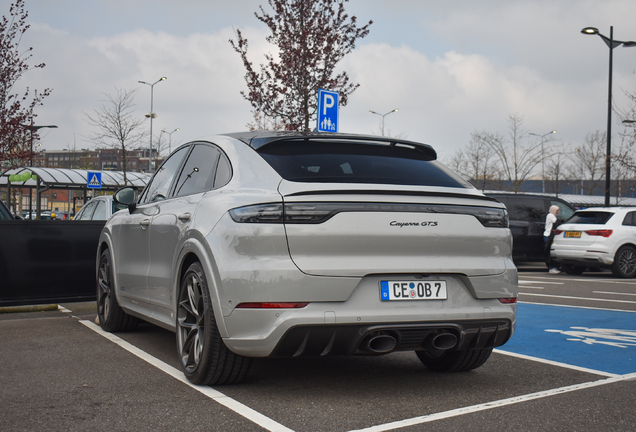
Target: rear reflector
271, 305
508, 300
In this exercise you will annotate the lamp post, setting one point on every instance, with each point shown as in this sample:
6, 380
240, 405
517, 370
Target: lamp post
151, 115
32, 129
170, 139
543, 158
383, 115
611, 43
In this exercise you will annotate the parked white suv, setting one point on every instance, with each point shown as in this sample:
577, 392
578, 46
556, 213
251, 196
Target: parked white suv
598, 238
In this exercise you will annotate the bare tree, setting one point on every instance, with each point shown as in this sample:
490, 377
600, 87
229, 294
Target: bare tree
116, 126
14, 116
263, 122
517, 158
311, 37
557, 168
589, 161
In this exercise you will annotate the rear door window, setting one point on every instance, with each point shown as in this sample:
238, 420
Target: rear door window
565, 212
526, 209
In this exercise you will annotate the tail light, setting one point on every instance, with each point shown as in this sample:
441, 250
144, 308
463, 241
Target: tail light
602, 233
318, 212
557, 232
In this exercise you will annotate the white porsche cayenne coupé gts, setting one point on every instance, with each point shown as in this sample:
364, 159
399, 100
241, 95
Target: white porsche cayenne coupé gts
283, 244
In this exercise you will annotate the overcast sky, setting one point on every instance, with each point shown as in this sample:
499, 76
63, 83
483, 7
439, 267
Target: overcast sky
451, 67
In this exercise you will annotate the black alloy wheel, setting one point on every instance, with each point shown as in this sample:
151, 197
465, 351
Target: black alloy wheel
624, 265
204, 358
111, 316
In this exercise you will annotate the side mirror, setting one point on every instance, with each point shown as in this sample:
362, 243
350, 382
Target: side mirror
127, 196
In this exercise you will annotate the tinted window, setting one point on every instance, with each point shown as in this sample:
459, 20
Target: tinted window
223, 172
199, 171
630, 219
565, 212
590, 217
159, 186
338, 162
527, 209
4, 212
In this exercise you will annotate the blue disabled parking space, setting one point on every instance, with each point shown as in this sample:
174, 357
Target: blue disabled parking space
600, 340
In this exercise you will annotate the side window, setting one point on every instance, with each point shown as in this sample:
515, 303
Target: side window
100, 211
159, 186
199, 171
223, 172
630, 219
565, 212
87, 210
526, 209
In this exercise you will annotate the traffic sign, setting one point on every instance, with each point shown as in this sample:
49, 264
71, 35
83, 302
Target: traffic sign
94, 180
327, 119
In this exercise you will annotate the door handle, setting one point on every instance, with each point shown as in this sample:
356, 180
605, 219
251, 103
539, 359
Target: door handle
144, 223
184, 217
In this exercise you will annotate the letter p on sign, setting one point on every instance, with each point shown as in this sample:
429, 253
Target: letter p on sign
327, 119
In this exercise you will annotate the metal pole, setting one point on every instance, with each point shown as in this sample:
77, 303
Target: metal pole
608, 155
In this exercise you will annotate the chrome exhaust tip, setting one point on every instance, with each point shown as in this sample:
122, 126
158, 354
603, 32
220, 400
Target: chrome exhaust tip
378, 343
442, 341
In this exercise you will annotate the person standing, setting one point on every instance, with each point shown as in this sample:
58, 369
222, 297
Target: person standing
548, 235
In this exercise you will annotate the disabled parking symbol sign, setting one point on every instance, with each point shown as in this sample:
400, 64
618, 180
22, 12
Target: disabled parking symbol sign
327, 119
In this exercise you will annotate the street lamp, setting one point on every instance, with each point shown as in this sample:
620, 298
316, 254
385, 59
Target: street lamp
170, 139
383, 115
543, 158
32, 128
151, 115
611, 43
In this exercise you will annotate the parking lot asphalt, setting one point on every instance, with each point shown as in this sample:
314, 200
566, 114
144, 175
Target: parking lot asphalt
61, 372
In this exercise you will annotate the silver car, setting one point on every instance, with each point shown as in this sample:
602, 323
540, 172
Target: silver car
99, 208
281, 244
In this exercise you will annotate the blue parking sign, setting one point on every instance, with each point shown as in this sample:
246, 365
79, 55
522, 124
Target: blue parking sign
94, 180
327, 119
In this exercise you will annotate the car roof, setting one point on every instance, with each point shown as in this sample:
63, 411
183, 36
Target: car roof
258, 139
607, 209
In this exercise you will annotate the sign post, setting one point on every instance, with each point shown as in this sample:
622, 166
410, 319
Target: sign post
328, 111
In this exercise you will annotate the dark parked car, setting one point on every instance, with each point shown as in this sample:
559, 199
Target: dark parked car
527, 221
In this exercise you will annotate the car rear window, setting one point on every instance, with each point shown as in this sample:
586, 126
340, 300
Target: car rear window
590, 217
346, 162
4, 212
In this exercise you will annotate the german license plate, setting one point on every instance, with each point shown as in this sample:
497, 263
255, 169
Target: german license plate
413, 290
574, 234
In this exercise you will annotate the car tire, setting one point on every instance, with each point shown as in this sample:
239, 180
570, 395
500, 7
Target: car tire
454, 361
110, 315
572, 269
203, 356
624, 265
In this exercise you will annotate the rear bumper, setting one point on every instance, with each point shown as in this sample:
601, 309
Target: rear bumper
592, 258
350, 339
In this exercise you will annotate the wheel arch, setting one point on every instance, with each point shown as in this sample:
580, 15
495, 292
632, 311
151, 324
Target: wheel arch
193, 251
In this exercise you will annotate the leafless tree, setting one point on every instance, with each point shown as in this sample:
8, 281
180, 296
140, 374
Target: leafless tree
116, 126
517, 157
589, 161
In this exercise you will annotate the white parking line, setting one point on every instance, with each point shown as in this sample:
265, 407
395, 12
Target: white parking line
614, 281
579, 298
226, 401
523, 281
614, 293
490, 405
271, 425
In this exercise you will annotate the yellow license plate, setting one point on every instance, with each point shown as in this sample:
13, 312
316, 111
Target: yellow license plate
574, 234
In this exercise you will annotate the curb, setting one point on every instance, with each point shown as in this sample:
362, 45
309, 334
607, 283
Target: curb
31, 308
